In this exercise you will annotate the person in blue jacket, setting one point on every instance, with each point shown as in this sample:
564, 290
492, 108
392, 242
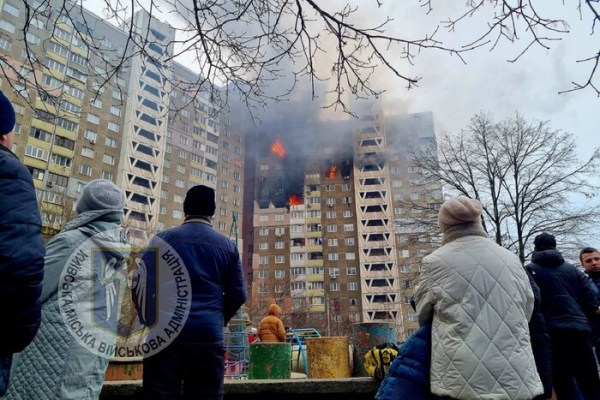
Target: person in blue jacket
22, 249
193, 363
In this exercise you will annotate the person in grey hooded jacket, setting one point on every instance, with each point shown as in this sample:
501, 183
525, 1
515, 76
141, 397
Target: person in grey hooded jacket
56, 366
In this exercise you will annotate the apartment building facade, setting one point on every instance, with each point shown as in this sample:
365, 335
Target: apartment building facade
345, 247
138, 124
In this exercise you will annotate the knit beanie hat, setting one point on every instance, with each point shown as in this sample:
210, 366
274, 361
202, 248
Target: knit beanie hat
7, 115
101, 194
544, 241
200, 200
458, 211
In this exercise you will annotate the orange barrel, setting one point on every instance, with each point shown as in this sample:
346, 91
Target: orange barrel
328, 357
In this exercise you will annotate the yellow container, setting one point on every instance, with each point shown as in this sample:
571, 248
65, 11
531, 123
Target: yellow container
328, 357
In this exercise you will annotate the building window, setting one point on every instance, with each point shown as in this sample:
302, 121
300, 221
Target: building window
115, 111
404, 253
177, 214
279, 259
331, 214
109, 142
177, 198
163, 210
280, 245
113, 126
182, 154
278, 289
352, 286
263, 232
184, 140
7, 26
350, 256
180, 168
91, 136
179, 183
333, 256
351, 271
116, 94
94, 119
87, 152
279, 274
108, 159
405, 268
348, 227
334, 286
263, 260
263, 246
331, 228
85, 170
347, 213
107, 175
12, 10
332, 242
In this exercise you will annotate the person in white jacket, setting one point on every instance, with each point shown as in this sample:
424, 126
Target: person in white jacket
480, 299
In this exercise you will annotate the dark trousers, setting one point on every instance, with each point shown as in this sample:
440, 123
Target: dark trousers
574, 366
199, 370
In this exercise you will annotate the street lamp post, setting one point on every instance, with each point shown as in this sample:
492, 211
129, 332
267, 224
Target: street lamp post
327, 312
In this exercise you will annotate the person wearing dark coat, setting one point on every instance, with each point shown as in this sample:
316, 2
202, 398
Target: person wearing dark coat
22, 249
567, 298
193, 365
540, 343
590, 260
408, 376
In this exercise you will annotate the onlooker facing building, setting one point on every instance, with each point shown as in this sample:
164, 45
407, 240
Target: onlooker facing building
195, 359
21, 249
271, 328
568, 297
590, 260
480, 299
62, 367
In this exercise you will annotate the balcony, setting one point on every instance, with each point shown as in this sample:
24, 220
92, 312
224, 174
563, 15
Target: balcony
297, 263
314, 234
314, 263
316, 278
314, 248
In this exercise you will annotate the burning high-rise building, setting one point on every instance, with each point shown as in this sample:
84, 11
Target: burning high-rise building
330, 230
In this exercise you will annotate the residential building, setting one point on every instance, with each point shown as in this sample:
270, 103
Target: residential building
90, 105
334, 241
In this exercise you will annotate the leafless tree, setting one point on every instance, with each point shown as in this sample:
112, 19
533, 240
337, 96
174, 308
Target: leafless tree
57, 208
526, 21
526, 174
244, 46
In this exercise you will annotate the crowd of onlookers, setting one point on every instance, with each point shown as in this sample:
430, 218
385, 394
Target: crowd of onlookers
493, 329
490, 328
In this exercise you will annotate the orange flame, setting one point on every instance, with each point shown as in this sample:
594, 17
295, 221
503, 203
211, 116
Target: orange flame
278, 149
332, 171
295, 200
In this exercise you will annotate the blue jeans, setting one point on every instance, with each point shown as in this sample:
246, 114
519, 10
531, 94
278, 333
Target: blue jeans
198, 370
5, 363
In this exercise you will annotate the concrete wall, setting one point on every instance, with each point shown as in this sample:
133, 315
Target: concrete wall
294, 389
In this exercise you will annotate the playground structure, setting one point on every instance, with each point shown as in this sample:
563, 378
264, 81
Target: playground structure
237, 350
297, 338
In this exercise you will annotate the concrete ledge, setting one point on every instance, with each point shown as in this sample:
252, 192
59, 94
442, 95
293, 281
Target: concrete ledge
292, 389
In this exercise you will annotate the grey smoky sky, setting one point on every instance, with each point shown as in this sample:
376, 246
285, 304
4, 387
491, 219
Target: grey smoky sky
454, 91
